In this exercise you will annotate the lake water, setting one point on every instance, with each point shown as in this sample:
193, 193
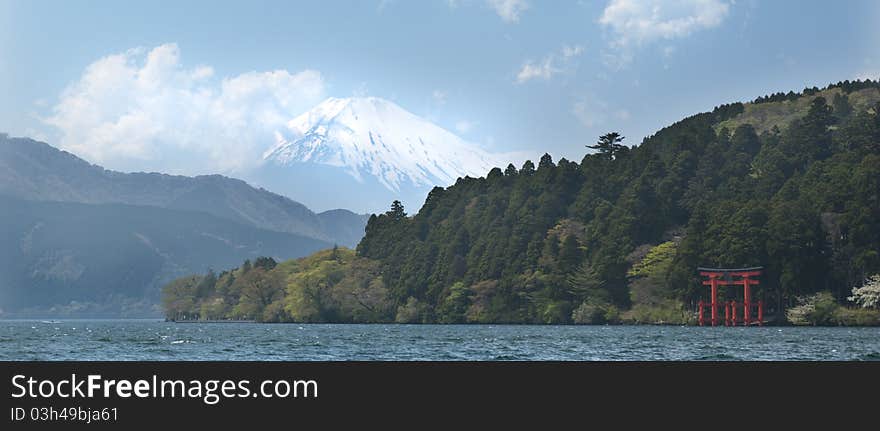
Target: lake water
158, 340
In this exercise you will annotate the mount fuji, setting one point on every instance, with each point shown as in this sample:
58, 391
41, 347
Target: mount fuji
363, 152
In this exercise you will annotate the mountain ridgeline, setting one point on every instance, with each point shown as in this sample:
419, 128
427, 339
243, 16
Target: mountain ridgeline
369, 151
34, 170
77, 240
790, 183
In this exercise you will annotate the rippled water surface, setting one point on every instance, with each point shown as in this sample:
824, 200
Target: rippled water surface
157, 340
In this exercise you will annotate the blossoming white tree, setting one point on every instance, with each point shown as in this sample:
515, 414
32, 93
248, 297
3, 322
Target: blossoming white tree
867, 296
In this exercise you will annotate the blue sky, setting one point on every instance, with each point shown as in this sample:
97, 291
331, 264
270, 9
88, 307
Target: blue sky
509, 75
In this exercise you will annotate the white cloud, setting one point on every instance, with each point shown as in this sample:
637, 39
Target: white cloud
509, 10
142, 110
572, 51
531, 70
643, 21
549, 65
616, 59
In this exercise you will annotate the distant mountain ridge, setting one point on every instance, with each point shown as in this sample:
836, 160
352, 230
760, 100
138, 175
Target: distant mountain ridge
373, 136
37, 171
373, 151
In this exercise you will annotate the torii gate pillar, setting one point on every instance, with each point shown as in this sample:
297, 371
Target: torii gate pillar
724, 277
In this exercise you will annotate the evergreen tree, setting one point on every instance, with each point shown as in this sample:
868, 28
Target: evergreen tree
814, 131
528, 168
841, 105
609, 145
396, 213
585, 283
546, 162
495, 174
569, 254
265, 263
207, 284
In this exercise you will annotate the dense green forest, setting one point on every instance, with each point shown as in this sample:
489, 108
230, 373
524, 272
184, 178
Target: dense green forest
790, 182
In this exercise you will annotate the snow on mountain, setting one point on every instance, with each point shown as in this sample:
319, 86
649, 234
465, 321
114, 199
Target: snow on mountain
370, 136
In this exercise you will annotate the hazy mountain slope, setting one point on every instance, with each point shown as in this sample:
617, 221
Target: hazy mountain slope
59, 258
36, 171
345, 226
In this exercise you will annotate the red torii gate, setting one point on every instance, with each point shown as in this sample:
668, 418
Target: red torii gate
725, 277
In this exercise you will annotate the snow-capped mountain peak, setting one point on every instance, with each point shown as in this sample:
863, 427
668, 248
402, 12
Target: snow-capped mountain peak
370, 136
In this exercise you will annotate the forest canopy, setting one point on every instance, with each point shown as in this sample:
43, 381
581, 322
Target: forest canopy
790, 183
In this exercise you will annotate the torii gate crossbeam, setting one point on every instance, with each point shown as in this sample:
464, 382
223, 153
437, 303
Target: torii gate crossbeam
726, 277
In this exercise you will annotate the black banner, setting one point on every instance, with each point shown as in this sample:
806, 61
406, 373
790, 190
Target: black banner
250, 395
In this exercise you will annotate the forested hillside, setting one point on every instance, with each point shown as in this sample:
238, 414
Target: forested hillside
64, 259
790, 182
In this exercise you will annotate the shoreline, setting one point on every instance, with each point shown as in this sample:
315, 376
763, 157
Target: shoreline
209, 321
164, 320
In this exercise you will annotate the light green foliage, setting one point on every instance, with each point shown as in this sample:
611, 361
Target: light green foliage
454, 306
656, 263
555, 312
337, 286
308, 290
664, 312
648, 290
179, 298
845, 316
821, 309
214, 309
259, 288
361, 295
329, 286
